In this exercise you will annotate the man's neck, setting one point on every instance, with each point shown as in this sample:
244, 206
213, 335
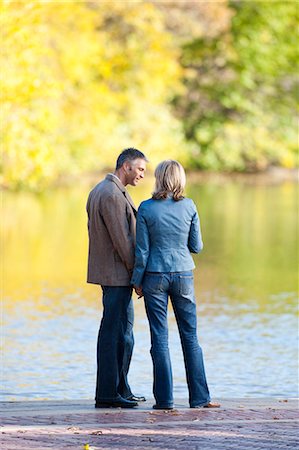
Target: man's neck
121, 176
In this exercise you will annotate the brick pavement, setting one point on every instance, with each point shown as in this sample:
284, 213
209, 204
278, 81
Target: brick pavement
240, 424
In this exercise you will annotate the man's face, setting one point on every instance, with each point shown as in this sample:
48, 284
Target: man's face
135, 171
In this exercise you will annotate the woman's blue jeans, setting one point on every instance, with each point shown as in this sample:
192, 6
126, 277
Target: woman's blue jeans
115, 344
179, 286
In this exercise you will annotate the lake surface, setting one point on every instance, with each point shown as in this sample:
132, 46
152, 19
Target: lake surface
246, 287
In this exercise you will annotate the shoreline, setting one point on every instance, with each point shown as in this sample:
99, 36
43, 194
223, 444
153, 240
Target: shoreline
271, 176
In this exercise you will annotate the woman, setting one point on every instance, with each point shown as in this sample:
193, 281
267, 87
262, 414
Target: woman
168, 230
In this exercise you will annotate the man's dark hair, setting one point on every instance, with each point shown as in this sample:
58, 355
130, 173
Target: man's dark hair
129, 154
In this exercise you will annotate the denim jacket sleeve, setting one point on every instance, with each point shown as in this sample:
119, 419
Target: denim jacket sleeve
195, 243
141, 250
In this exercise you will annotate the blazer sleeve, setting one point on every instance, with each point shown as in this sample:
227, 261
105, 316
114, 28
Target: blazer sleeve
142, 249
195, 243
115, 217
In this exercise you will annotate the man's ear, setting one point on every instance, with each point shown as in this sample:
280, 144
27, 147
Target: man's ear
127, 167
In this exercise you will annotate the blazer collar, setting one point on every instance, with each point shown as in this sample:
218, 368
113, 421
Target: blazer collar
119, 184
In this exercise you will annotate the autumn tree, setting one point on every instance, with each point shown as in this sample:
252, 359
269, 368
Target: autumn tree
239, 110
80, 81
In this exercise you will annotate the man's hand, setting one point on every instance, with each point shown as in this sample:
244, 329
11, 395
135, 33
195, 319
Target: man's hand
138, 290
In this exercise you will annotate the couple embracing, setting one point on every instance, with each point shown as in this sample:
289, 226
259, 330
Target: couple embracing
154, 257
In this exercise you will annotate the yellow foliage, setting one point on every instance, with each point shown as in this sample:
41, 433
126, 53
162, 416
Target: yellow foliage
80, 82
242, 146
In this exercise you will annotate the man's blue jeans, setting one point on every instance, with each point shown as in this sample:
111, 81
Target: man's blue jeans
115, 344
180, 287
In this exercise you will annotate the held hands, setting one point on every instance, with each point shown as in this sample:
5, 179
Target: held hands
138, 290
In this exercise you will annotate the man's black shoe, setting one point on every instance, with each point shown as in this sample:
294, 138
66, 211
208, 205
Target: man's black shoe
162, 407
135, 398
121, 403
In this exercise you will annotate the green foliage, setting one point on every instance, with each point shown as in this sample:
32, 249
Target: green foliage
239, 112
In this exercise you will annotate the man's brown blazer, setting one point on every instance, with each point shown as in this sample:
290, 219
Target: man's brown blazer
112, 232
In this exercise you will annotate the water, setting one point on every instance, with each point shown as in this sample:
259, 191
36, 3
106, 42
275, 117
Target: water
246, 286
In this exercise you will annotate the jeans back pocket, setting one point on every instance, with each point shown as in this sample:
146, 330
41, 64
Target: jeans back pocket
152, 282
185, 284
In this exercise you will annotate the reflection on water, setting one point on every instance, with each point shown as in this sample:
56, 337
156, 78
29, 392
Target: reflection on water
245, 283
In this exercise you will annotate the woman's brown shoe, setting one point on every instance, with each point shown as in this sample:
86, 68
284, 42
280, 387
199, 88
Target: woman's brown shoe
212, 405
208, 405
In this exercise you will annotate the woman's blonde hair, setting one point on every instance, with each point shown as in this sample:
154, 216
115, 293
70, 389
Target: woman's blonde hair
170, 180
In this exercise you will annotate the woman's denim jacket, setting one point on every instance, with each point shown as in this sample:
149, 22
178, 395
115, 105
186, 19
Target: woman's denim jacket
166, 232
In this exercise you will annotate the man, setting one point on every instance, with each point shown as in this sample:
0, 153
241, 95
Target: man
111, 228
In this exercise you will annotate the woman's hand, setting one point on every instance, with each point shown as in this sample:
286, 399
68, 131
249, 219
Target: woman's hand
138, 290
